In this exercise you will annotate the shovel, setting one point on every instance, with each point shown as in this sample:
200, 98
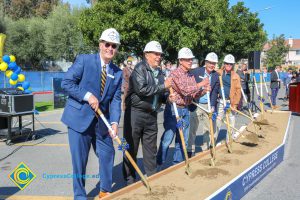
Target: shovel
116, 138
229, 143
211, 131
187, 165
268, 94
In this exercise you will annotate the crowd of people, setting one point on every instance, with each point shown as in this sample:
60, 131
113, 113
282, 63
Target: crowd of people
93, 82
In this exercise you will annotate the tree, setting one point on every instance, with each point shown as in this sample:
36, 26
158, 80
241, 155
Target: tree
17, 9
200, 25
25, 40
243, 33
277, 52
63, 39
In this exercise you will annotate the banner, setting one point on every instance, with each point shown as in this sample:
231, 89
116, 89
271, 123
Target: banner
242, 184
2, 41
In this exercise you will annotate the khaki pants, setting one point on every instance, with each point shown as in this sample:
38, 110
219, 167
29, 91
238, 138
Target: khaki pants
198, 117
221, 116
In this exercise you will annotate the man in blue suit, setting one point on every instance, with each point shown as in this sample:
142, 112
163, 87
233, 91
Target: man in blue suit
196, 114
93, 82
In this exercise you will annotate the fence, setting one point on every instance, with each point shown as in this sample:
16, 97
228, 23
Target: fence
39, 81
42, 81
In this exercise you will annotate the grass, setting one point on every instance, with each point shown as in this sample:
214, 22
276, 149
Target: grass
44, 106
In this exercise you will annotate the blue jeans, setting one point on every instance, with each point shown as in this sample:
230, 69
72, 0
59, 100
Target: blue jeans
170, 130
274, 95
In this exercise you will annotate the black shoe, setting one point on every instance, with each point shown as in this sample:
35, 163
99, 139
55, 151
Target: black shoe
190, 154
130, 181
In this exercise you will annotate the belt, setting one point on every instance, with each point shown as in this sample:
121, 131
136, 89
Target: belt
178, 106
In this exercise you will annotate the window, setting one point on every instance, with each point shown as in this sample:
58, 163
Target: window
297, 52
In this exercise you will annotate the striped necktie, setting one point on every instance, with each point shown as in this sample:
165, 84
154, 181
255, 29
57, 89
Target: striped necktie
103, 78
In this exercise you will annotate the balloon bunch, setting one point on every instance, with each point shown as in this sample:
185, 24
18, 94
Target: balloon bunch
13, 72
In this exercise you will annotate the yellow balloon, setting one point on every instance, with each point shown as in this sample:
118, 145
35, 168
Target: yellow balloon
21, 77
12, 82
8, 73
2, 41
3, 66
12, 58
20, 88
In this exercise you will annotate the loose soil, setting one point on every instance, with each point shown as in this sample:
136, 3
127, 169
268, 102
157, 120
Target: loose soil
206, 179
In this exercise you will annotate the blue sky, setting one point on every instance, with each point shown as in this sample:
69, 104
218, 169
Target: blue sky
278, 16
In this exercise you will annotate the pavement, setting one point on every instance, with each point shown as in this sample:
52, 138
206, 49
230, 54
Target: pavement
49, 159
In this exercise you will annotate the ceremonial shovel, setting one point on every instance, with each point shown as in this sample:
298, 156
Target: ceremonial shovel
187, 165
116, 138
229, 143
211, 130
268, 93
263, 121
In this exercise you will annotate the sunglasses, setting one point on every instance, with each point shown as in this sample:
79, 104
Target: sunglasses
107, 45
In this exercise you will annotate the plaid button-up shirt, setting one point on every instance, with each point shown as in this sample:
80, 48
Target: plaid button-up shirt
184, 86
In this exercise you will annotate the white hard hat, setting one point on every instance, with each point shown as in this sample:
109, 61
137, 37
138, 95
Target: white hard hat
153, 46
110, 35
212, 57
229, 59
185, 53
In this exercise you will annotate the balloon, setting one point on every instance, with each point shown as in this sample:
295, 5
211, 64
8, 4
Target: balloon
12, 82
8, 73
25, 85
6, 59
14, 77
27, 91
21, 77
3, 66
21, 88
18, 70
13, 66
12, 58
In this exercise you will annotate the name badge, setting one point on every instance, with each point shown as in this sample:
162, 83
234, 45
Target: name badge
111, 76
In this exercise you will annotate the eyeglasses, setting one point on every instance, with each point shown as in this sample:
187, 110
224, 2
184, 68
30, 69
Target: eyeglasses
114, 46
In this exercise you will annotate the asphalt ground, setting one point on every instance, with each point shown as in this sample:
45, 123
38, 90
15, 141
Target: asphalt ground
49, 155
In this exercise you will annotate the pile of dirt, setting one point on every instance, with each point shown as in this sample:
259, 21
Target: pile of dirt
206, 179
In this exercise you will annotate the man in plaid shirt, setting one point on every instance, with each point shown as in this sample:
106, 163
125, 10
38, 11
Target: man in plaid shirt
185, 90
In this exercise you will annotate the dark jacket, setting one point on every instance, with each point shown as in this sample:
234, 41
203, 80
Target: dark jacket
274, 80
244, 79
142, 88
214, 83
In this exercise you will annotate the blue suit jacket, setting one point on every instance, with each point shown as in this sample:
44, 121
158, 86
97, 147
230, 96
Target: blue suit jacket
85, 76
214, 83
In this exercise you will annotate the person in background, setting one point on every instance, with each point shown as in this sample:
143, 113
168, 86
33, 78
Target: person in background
126, 74
275, 85
287, 81
245, 78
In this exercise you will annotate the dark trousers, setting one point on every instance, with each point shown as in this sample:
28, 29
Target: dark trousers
248, 97
274, 95
140, 126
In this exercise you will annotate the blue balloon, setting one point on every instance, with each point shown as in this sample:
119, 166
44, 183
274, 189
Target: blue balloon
27, 91
12, 66
18, 70
25, 85
14, 76
18, 85
6, 59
